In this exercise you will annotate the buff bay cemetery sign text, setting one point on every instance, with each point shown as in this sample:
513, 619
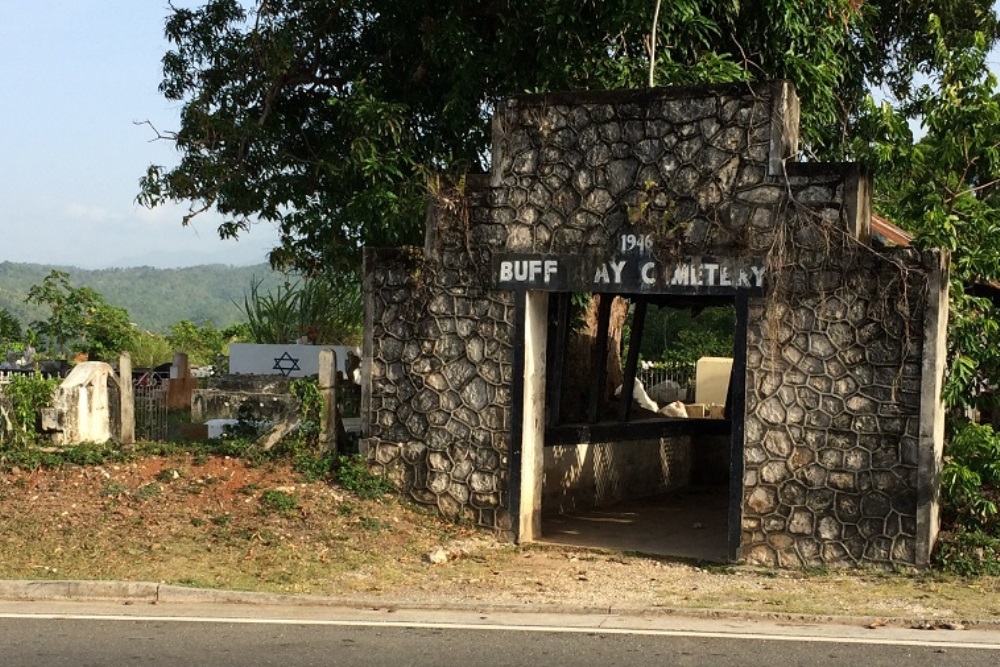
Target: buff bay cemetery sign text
632, 269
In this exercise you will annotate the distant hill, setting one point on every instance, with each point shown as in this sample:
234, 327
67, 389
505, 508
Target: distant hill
154, 298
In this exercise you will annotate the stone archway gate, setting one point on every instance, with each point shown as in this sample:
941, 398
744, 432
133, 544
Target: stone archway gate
669, 191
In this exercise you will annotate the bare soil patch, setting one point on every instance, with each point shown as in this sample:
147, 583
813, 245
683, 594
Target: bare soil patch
217, 522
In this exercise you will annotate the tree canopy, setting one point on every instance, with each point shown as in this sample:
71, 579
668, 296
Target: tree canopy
324, 117
81, 316
936, 154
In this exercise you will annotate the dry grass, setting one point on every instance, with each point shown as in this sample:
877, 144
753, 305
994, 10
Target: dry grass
202, 522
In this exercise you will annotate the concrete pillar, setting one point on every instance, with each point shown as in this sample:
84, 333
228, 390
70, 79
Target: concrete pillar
533, 416
930, 446
127, 396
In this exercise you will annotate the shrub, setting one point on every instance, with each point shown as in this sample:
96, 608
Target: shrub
23, 400
149, 350
970, 480
353, 474
972, 553
274, 500
325, 311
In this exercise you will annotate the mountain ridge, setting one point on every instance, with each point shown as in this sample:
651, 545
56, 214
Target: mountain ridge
155, 298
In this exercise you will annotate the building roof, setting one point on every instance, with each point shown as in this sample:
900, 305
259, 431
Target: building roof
889, 233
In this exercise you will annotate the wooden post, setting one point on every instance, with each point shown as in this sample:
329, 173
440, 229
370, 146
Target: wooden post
556, 370
328, 391
127, 395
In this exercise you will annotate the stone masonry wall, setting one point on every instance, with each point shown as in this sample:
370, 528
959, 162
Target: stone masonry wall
573, 171
833, 390
440, 373
836, 416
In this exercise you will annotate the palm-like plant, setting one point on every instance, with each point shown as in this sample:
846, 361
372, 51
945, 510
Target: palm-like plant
320, 310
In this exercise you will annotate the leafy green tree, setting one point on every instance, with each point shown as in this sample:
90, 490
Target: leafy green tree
936, 153
204, 344
10, 328
943, 184
323, 117
683, 336
79, 315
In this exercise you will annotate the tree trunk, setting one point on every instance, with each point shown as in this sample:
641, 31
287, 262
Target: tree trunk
579, 373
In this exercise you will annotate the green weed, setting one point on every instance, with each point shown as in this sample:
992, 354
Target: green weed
113, 490
353, 474
372, 524
972, 553
274, 500
147, 491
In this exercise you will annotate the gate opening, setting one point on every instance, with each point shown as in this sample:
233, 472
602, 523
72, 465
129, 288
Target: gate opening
631, 465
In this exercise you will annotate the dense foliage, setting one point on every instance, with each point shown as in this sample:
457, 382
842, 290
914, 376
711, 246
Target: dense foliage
323, 117
154, 298
942, 183
10, 328
682, 336
22, 400
205, 344
79, 316
316, 310
149, 350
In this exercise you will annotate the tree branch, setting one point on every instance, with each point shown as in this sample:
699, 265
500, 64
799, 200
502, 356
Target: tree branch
652, 43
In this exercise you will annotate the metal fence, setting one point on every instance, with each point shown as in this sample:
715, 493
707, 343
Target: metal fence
8, 374
151, 413
149, 391
681, 373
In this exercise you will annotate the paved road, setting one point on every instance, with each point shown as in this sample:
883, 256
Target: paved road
38, 635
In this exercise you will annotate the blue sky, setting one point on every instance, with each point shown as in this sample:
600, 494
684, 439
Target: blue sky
75, 77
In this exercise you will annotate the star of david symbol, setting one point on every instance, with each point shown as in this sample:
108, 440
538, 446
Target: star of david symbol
286, 364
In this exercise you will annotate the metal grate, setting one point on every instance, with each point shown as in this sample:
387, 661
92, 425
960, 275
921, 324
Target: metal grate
681, 373
150, 409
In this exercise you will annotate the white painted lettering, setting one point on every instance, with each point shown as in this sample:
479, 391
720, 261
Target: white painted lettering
724, 279
551, 269
758, 274
617, 268
682, 275
648, 275
521, 271
744, 280
712, 269
535, 268
602, 275
506, 271
696, 276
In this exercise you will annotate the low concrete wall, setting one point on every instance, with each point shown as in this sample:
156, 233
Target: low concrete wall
223, 396
597, 474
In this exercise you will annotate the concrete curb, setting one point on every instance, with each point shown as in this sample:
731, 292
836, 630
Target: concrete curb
78, 590
130, 592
